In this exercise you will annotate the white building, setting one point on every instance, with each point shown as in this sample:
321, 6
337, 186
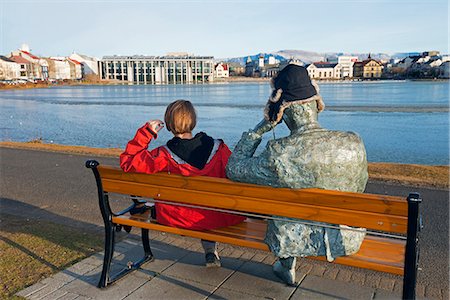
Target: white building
141, 69
76, 69
221, 70
9, 70
38, 69
59, 68
25, 67
324, 70
346, 63
89, 64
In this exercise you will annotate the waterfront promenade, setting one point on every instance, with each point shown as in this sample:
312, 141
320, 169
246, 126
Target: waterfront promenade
56, 187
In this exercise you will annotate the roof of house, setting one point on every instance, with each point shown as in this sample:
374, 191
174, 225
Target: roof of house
365, 62
29, 54
19, 60
4, 58
75, 61
322, 64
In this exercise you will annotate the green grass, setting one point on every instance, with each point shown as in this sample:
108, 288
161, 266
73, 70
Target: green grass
31, 250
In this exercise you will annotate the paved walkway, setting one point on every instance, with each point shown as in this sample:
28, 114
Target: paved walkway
178, 273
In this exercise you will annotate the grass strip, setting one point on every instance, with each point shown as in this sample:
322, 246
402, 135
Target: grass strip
32, 250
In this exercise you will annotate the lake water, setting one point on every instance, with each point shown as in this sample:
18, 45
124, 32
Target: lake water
406, 122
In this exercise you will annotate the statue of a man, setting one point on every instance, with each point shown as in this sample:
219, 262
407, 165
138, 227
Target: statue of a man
310, 157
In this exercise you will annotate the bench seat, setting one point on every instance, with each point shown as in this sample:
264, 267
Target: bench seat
390, 216
376, 253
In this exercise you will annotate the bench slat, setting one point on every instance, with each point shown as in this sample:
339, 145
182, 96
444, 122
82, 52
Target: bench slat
370, 220
379, 254
353, 201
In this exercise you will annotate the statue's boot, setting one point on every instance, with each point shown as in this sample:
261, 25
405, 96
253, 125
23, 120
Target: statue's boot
284, 268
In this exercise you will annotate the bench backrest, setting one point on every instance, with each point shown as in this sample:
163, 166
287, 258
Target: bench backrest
374, 212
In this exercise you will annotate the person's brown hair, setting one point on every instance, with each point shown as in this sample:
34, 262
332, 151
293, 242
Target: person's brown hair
180, 117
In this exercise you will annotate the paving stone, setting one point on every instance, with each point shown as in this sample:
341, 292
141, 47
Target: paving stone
398, 286
433, 292
372, 281
356, 277
259, 280
167, 287
346, 276
68, 296
79, 268
387, 284
317, 270
226, 252
164, 256
51, 285
86, 285
259, 257
304, 268
192, 267
30, 290
269, 260
222, 293
386, 295
323, 288
93, 260
237, 253
64, 276
56, 295
307, 294
331, 273
82, 298
247, 255
420, 290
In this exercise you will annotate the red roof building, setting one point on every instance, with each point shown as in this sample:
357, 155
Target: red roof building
19, 60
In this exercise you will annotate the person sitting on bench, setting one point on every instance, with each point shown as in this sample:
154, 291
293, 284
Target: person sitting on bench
184, 154
310, 157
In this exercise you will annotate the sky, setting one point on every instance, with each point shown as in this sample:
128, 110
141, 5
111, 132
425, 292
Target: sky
223, 29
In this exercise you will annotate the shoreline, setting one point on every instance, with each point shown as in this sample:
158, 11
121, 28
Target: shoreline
434, 177
233, 79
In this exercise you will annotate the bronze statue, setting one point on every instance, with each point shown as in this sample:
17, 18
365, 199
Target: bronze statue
310, 157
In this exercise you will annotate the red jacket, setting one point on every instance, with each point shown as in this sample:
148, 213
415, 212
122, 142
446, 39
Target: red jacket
136, 158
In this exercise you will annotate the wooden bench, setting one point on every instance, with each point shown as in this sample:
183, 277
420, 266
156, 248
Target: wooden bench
392, 222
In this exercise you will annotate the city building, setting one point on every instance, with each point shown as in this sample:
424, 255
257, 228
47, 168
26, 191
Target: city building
38, 68
324, 70
346, 63
9, 70
89, 64
25, 67
157, 69
236, 69
76, 69
58, 68
369, 68
263, 67
221, 70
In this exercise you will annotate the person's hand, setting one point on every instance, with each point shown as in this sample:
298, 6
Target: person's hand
155, 125
263, 127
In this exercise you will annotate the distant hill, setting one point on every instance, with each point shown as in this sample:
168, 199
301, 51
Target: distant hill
305, 56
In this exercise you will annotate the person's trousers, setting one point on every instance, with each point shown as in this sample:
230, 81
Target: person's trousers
209, 246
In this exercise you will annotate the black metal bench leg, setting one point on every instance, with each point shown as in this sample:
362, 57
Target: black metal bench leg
146, 243
412, 253
109, 251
